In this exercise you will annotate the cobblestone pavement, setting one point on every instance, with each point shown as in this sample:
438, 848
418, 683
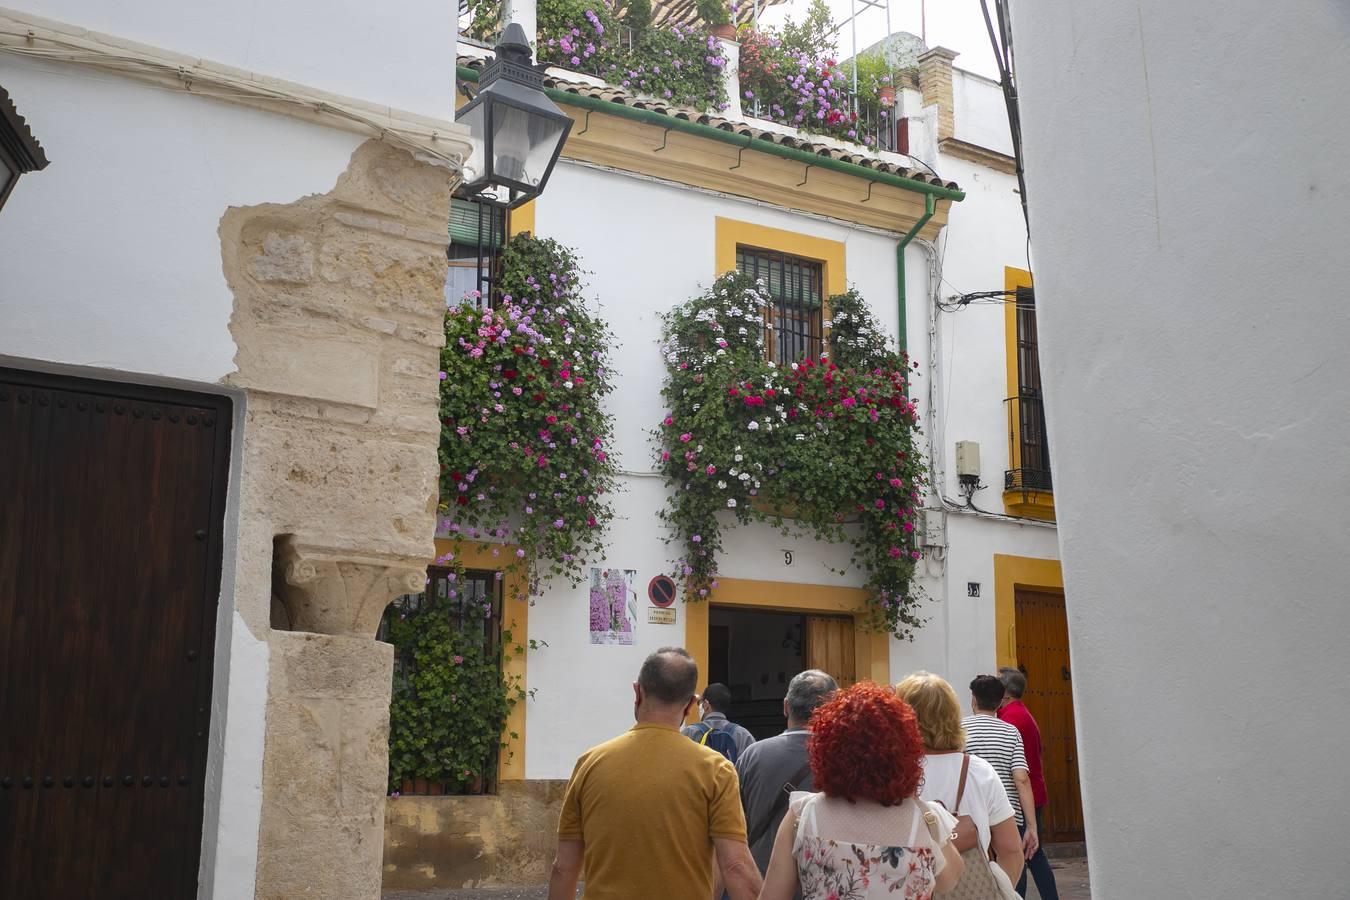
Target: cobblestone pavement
1070, 875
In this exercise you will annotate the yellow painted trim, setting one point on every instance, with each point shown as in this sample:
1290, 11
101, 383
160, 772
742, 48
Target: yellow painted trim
1031, 504
687, 159
515, 618
830, 254
521, 220
1010, 573
872, 654
1012, 280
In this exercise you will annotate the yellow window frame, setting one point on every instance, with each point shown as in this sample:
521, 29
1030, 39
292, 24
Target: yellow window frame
1030, 504
732, 233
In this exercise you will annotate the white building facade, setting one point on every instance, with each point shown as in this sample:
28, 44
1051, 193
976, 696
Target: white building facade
213, 170
654, 218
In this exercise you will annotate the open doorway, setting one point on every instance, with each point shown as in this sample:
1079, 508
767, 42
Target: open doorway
755, 653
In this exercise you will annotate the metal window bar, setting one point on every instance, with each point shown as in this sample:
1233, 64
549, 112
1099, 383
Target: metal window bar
795, 287
476, 609
1026, 411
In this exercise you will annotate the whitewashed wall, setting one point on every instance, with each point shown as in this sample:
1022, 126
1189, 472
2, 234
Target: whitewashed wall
1189, 213
980, 112
985, 234
404, 58
640, 272
112, 260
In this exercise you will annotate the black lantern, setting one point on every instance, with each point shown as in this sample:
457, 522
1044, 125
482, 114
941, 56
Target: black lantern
516, 131
20, 152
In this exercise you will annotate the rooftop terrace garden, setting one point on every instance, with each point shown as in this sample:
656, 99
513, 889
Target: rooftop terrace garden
789, 75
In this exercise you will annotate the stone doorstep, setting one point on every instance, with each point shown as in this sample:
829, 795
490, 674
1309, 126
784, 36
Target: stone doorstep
1066, 850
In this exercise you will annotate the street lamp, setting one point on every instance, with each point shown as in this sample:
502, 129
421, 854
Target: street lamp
516, 131
20, 152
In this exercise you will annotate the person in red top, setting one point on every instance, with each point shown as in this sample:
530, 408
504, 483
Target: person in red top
1015, 713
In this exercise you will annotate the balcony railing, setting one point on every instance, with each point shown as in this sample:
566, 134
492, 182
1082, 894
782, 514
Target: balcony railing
1028, 449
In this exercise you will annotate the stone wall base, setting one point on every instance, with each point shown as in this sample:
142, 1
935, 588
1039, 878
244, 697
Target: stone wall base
459, 842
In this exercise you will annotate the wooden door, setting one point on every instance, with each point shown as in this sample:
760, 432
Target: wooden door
829, 647
112, 502
1043, 655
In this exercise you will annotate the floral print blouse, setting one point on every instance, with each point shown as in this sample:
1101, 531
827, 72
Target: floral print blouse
862, 850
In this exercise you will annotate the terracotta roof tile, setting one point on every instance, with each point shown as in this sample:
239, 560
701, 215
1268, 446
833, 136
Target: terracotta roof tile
798, 140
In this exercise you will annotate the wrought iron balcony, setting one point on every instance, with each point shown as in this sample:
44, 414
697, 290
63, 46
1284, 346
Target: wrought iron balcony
1028, 449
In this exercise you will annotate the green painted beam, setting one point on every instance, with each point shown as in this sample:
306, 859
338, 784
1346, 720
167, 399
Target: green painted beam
660, 120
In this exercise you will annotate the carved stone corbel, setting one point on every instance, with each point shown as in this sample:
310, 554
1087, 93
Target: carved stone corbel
329, 590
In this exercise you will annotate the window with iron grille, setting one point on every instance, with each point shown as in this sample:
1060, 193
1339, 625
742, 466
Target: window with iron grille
473, 600
477, 235
1027, 410
795, 314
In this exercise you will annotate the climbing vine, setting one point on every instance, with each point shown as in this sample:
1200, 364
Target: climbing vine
524, 431
825, 446
450, 698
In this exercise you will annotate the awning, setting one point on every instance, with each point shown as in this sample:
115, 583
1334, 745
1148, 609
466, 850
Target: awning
685, 12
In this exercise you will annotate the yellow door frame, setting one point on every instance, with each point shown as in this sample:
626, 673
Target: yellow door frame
1011, 573
515, 619
872, 657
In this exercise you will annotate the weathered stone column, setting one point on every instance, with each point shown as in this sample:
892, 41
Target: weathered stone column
338, 307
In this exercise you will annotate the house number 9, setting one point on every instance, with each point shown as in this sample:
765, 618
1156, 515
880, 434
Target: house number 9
787, 557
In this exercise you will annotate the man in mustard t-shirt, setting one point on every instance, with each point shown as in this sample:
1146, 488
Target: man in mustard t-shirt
650, 812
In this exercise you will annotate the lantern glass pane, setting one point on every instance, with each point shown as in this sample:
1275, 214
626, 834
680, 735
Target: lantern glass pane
473, 117
523, 144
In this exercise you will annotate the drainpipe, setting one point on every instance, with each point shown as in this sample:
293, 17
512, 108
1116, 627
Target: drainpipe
929, 205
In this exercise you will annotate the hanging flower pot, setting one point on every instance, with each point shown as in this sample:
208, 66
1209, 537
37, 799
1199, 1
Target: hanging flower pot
726, 31
886, 94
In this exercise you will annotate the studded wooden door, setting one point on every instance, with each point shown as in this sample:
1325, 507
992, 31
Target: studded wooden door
1043, 655
112, 502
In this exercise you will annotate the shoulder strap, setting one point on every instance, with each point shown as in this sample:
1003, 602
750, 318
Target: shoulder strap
780, 803
707, 730
961, 785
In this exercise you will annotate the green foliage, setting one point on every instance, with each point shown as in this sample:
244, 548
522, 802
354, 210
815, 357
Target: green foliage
523, 423
713, 12
677, 64
832, 441
813, 36
637, 15
450, 699
485, 19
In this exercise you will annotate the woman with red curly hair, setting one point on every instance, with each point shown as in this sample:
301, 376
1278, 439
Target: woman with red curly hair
866, 835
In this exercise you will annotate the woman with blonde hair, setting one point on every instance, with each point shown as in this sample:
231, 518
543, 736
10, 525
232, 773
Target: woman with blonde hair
965, 784
866, 835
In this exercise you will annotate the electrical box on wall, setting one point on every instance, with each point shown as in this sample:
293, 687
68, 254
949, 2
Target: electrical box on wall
968, 459
932, 528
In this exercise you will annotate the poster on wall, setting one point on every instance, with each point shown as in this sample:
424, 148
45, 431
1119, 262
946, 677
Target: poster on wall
613, 606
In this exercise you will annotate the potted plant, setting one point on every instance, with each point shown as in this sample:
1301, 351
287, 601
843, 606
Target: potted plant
717, 17
886, 92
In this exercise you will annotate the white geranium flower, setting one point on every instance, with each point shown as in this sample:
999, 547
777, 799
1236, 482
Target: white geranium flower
753, 426
739, 457
721, 485
731, 503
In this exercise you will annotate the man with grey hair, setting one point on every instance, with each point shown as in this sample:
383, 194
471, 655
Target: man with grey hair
770, 768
